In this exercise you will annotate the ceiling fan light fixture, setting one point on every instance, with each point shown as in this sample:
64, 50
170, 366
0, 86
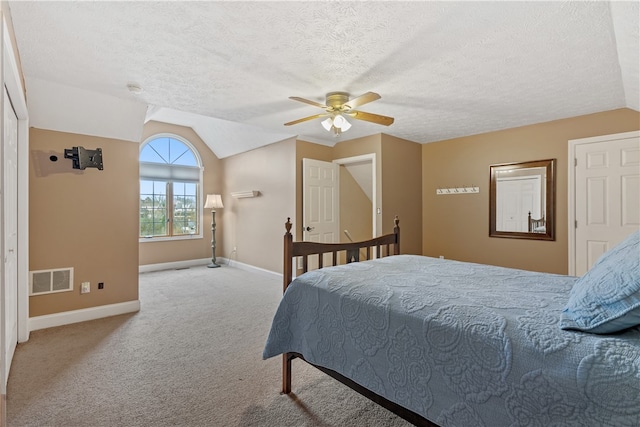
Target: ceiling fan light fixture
339, 121
327, 124
346, 125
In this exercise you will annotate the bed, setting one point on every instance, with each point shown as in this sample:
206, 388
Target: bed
449, 343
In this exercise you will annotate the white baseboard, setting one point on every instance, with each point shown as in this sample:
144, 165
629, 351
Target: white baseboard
82, 315
248, 267
204, 261
176, 265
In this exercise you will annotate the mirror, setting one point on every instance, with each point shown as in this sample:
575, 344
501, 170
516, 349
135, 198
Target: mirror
522, 200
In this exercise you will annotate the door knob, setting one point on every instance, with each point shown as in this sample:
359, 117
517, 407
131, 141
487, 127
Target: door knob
309, 228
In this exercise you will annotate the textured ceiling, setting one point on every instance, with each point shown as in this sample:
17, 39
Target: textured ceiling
443, 69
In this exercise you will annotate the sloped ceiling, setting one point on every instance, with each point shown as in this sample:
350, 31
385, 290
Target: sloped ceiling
226, 69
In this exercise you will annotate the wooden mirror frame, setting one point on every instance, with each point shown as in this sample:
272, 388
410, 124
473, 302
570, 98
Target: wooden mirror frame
550, 203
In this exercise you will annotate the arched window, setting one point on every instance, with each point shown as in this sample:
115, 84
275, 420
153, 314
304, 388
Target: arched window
170, 183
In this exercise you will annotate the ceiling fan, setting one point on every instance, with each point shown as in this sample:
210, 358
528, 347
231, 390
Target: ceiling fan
337, 106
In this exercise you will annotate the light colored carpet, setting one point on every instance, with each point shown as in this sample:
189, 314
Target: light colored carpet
192, 356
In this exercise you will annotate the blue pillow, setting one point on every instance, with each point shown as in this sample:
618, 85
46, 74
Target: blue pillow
607, 298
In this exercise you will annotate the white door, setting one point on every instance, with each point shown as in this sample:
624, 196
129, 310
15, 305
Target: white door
320, 209
9, 197
607, 195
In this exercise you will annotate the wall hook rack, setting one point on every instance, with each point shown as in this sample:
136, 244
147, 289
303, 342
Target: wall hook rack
457, 190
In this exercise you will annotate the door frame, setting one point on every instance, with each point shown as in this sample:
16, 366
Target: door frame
571, 193
374, 204
12, 80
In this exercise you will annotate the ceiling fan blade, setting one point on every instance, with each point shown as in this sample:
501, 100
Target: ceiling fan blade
315, 116
361, 100
306, 101
370, 117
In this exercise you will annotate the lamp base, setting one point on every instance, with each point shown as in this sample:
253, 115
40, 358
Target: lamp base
213, 265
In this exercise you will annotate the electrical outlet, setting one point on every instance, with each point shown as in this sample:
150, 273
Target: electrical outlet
100, 285
235, 249
85, 288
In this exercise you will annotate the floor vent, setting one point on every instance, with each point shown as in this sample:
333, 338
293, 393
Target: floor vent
50, 281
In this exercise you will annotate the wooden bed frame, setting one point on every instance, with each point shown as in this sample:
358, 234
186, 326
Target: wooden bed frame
352, 250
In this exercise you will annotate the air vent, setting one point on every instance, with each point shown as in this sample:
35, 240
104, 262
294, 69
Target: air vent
51, 281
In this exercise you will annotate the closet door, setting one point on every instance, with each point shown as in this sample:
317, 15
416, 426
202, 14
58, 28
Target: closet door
607, 195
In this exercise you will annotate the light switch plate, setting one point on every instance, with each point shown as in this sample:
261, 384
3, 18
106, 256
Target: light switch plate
85, 288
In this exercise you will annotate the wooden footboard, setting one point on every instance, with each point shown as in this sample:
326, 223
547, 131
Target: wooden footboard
389, 244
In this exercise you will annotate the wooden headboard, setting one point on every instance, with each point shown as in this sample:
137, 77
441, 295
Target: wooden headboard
389, 242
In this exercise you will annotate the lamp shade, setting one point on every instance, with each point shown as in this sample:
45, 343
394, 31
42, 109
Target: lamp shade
214, 201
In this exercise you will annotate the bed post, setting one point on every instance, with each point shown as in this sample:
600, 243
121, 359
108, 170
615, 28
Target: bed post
288, 263
396, 231
286, 279
286, 373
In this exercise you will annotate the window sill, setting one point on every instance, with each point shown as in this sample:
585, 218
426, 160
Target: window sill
169, 239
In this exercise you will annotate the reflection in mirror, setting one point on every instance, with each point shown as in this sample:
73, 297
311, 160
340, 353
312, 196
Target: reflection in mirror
522, 200
519, 198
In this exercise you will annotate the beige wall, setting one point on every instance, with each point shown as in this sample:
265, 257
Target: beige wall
355, 209
86, 219
402, 191
457, 226
212, 181
255, 226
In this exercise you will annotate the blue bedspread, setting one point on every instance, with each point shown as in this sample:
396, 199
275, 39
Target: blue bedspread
461, 344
